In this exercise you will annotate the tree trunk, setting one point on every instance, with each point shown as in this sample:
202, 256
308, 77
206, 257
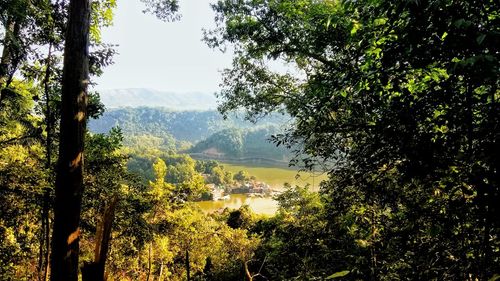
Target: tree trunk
6, 57
101, 253
248, 275
48, 110
69, 173
12, 53
95, 271
47, 240
188, 267
150, 253
45, 237
4, 60
160, 276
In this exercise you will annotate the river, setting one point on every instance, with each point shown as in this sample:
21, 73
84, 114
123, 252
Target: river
264, 205
274, 176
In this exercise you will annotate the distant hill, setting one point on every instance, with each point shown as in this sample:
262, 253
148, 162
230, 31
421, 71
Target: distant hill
192, 126
167, 121
236, 143
138, 97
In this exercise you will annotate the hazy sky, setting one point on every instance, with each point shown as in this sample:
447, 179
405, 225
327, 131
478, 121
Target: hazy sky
163, 55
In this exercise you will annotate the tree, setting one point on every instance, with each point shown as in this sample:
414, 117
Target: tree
114, 205
69, 173
296, 242
399, 102
161, 193
241, 176
165, 10
23, 178
106, 186
14, 17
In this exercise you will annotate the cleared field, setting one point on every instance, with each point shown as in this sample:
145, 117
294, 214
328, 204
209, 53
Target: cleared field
275, 176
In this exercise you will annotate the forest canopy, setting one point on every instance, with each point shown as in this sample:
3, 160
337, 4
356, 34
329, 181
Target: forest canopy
403, 97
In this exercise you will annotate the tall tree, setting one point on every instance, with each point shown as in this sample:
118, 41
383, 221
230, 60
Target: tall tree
13, 16
69, 173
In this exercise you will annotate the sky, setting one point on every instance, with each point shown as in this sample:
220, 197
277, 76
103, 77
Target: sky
165, 56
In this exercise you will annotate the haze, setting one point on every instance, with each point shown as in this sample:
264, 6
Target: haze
166, 56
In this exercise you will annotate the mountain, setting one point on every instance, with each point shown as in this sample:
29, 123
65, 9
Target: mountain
139, 97
169, 120
233, 137
189, 125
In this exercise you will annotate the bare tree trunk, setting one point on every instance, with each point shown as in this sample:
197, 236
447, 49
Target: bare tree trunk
12, 53
47, 237
160, 276
150, 253
69, 173
41, 246
149, 260
48, 110
188, 266
95, 271
44, 237
102, 250
248, 275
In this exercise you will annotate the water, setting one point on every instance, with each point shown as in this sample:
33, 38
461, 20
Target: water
264, 205
274, 176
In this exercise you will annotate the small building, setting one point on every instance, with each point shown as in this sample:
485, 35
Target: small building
259, 187
216, 193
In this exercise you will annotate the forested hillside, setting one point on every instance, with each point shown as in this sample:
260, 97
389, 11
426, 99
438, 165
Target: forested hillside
183, 125
171, 129
244, 143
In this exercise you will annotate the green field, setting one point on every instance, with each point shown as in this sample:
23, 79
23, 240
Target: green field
275, 176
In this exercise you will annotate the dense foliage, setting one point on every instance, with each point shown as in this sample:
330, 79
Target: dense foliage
399, 100
396, 100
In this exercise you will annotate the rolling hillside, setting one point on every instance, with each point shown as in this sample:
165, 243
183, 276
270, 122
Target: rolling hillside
205, 130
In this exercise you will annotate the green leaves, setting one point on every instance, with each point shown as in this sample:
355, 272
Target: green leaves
355, 27
391, 94
480, 39
338, 275
102, 16
495, 277
462, 23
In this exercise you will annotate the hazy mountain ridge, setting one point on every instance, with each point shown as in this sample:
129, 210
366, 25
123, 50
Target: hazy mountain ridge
186, 125
189, 126
168, 118
141, 97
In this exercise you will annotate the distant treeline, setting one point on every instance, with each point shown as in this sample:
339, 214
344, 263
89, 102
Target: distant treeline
238, 144
196, 131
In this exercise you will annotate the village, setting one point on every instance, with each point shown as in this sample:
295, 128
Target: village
252, 188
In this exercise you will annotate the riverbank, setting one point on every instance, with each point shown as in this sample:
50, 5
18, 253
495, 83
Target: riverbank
277, 176
259, 205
